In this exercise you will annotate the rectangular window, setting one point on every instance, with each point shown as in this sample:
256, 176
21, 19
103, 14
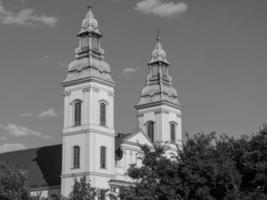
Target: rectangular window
172, 127
77, 114
76, 157
102, 157
103, 114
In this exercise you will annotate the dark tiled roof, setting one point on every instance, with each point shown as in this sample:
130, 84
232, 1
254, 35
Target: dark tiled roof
43, 164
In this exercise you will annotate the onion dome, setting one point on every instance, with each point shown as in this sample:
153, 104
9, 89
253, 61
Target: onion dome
89, 62
90, 24
159, 88
158, 54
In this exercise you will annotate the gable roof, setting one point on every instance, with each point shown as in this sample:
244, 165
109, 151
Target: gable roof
42, 164
121, 138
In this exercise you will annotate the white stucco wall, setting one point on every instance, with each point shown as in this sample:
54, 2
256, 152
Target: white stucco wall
162, 115
90, 136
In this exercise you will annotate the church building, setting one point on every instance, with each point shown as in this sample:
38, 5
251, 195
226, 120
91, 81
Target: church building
91, 146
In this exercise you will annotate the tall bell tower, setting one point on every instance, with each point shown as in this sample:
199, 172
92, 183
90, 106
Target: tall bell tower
88, 133
159, 112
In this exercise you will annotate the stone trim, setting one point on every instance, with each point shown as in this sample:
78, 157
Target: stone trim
67, 93
87, 89
95, 89
111, 94
88, 79
86, 174
87, 131
159, 103
140, 114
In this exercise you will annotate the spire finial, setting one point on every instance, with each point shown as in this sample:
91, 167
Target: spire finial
158, 34
90, 6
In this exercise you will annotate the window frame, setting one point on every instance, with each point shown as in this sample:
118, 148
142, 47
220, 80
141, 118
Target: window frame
150, 124
76, 157
77, 121
173, 129
103, 117
103, 157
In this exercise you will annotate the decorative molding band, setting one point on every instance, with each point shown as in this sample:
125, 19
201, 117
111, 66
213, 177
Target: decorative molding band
87, 174
87, 131
67, 93
140, 115
159, 103
166, 111
95, 89
89, 79
87, 89
45, 187
158, 112
111, 94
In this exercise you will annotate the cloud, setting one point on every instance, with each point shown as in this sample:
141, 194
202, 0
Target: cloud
27, 115
43, 114
48, 113
20, 131
47, 58
25, 17
161, 9
44, 58
129, 70
11, 147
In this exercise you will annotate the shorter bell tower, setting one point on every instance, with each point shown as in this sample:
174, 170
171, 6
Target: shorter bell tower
159, 112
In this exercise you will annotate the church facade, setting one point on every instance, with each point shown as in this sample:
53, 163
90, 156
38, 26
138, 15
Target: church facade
90, 145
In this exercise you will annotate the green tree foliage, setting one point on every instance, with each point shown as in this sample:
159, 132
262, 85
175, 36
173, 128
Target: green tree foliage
12, 182
206, 167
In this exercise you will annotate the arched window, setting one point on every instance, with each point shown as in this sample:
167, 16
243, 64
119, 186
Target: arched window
103, 108
172, 132
150, 130
102, 157
77, 112
76, 157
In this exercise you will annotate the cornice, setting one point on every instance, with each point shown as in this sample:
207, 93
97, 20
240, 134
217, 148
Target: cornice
159, 103
89, 79
70, 175
88, 89
87, 131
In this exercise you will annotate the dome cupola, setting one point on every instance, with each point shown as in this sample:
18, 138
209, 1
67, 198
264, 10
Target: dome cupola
89, 60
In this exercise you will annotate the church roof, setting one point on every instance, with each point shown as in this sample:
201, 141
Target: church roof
42, 164
89, 63
159, 87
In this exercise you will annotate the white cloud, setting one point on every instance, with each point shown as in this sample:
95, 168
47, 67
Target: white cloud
43, 114
25, 17
44, 58
27, 115
129, 70
48, 113
160, 8
11, 147
19, 131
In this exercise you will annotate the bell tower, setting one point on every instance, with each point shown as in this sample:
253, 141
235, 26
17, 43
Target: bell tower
159, 112
88, 133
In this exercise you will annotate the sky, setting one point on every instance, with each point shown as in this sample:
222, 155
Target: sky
217, 50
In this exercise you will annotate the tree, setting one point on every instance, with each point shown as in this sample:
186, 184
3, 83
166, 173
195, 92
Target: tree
207, 167
82, 190
12, 182
250, 155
